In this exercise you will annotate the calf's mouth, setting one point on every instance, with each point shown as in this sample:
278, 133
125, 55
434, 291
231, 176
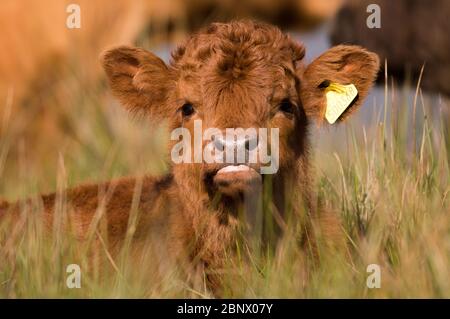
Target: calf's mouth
235, 180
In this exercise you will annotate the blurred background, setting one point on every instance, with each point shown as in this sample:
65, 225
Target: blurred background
53, 95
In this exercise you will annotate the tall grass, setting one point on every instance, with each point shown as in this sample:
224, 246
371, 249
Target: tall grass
388, 179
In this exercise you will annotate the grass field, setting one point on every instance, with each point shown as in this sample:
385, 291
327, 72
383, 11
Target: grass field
388, 180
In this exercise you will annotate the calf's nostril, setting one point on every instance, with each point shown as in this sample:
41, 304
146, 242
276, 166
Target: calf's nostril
251, 143
218, 143
247, 145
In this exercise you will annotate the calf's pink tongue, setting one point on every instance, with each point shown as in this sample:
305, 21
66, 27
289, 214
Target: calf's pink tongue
234, 169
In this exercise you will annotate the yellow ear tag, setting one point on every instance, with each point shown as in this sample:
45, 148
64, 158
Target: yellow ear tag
339, 97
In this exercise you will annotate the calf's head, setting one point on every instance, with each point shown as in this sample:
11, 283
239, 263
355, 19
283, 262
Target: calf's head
242, 75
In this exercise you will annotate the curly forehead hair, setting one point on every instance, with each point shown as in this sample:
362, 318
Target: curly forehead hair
239, 43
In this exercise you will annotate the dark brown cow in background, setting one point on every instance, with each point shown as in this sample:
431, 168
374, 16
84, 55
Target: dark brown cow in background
413, 33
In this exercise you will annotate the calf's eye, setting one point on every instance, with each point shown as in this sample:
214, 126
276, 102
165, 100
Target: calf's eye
187, 109
286, 106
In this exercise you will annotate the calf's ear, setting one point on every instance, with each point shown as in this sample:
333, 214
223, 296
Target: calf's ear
336, 83
139, 79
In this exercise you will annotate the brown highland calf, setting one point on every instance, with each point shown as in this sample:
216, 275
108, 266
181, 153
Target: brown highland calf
241, 74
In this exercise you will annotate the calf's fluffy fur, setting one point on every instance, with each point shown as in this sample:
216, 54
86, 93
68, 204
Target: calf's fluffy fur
239, 74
